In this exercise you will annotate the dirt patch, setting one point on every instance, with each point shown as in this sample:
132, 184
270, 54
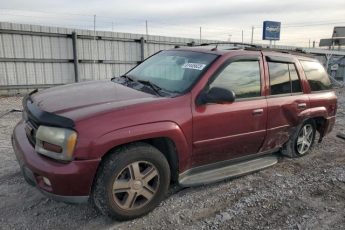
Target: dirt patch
305, 193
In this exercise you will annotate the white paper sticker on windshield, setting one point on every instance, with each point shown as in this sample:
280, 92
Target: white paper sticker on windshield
196, 66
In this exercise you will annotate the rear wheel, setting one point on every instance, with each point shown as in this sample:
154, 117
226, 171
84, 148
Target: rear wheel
305, 139
131, 182
302, 140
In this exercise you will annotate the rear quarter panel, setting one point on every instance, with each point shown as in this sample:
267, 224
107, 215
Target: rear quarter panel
323, 103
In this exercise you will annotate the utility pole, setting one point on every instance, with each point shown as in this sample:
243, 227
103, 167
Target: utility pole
94, 25
147, 29
200, 34
112, 26
229, 39
94, 46
309, 43
147, 44
242, 36
94, 37
251, 41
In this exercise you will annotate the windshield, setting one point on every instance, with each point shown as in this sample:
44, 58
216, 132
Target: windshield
174, 71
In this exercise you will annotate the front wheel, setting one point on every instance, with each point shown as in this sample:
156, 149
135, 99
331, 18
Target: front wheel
131, 182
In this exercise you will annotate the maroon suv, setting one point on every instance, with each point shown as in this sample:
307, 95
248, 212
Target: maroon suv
189, 116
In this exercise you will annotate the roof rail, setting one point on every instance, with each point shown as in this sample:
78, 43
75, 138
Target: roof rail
296, 51
230, 43
252, 47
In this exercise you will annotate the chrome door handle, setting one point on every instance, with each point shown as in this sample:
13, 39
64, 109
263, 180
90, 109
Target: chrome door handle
258, 111
302, 105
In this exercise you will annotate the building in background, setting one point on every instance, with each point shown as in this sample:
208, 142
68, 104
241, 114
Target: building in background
334, 56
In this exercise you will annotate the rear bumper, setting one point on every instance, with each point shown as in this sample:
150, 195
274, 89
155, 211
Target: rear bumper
329, 125
69, 182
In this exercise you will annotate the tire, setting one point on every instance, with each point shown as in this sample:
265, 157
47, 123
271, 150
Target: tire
131, 182
295, 147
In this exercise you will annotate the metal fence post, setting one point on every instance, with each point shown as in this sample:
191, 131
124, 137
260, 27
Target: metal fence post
75, 56
142, 48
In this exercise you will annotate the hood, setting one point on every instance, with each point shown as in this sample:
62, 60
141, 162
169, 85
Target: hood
83, 99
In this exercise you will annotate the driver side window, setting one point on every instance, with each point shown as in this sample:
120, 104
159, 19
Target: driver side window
242, 77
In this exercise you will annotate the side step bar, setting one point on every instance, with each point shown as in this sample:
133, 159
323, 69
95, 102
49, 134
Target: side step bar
205, 176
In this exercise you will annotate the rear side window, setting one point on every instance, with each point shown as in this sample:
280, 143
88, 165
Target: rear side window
295, 82
242, 77
316, 75
284, 78
279, 78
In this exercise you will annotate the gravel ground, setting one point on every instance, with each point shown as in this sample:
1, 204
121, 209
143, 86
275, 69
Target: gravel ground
305, 193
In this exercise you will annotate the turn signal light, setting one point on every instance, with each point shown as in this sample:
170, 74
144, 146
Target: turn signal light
51, 147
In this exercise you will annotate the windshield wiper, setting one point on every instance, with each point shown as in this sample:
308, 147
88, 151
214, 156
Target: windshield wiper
153, 86
128, 77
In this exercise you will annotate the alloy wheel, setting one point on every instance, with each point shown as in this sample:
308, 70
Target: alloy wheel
135, 185
305, 139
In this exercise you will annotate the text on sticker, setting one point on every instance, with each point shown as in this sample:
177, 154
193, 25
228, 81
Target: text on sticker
196, 66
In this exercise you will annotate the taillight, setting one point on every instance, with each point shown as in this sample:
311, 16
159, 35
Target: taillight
333, 109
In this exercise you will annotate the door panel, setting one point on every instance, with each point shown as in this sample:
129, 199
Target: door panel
285, 103
283, 118
231, 130
226, 131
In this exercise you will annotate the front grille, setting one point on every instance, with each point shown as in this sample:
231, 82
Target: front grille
31, 129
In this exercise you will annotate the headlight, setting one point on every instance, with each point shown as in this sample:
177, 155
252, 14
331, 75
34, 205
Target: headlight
25, 115
57, 143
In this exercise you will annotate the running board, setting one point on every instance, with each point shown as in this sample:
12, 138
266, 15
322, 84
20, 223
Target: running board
203, 175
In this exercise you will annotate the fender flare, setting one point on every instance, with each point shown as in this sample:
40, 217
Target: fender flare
316, 112
110, 140
313, 112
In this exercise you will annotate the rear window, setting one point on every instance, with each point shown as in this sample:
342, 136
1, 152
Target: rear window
316, 75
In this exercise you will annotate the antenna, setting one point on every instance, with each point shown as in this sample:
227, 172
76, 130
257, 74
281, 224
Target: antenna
215, 48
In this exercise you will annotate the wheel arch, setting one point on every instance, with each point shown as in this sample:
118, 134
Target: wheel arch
167, 137
320, 125
164, 144
319, 116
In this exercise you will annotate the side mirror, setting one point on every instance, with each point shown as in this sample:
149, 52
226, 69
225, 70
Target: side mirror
216, 95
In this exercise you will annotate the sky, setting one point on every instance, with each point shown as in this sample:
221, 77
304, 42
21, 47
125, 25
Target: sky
302, 21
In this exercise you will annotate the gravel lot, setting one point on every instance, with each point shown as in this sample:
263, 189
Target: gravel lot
305, 193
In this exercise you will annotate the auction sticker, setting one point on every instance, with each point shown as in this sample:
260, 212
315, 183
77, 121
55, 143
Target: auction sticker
196, 66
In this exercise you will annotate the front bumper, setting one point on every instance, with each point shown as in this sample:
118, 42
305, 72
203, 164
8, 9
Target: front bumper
69, 182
